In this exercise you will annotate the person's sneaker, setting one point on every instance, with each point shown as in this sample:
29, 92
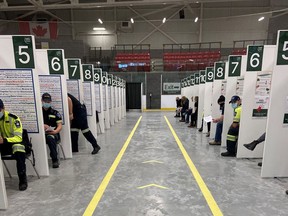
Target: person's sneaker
251, 146
286, 192
181, 120
190, 126
260, 164
214, 143
208, 134
200, 130
23, 186
228, 154
96, 150
55, 164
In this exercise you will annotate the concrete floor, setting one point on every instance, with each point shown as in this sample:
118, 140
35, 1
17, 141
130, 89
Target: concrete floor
235, 184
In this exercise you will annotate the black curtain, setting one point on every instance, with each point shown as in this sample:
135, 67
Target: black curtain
133, 96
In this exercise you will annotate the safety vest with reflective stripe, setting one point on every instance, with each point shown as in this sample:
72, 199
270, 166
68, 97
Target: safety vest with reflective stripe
237, 114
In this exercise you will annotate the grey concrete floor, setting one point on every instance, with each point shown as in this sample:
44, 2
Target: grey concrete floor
235, 184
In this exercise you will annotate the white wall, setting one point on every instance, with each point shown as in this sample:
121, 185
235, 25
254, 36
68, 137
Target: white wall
169, 101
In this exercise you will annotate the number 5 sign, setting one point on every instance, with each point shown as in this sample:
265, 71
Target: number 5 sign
55, 61
23, 51
282, 54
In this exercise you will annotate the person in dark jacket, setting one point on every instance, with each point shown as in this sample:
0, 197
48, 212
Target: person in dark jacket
178, 107
78, 118
194, 115
185, 107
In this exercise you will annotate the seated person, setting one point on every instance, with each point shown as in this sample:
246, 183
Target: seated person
233, 131
194, 115
185, 106
219, 121
11, 143
52, 126
178, 107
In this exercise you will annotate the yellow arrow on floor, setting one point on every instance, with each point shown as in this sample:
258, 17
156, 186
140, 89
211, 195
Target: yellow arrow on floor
152, 161
153, 185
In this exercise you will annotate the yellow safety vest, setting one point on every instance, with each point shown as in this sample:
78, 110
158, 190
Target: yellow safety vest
237, 114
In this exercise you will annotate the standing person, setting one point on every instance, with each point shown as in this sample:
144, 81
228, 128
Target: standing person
11, 142
178, 107
219, 121
52, 126
233, 132
78, 118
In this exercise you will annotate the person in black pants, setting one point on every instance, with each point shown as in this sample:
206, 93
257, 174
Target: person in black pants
194, 115
185, 107
78, 118
178, 107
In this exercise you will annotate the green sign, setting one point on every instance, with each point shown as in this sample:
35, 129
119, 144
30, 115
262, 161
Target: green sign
87, 70
114, 81
285, 120
282, 54
104, 78
188, 81
55, 61
23, 51
234, 66
219, 70
74, 69
202, 77
182, 83
255, 57
97, 75
110, 79
260, 113
192, 80
209, 74
196, 78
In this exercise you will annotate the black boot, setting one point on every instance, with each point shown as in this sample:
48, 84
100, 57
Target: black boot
23, 182
96, 150
251, 146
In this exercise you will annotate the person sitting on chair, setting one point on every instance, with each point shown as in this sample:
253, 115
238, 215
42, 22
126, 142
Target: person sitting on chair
11, 143
52, 126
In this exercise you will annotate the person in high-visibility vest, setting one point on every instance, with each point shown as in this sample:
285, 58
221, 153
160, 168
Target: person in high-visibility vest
233, 132
11, 142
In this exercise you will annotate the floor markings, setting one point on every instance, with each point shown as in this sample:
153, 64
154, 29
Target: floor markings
100, 191
204, 189
153, 185
153, 161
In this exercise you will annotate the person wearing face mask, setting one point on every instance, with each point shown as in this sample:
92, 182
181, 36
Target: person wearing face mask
11, 142
52, 126
219, 121
232, 135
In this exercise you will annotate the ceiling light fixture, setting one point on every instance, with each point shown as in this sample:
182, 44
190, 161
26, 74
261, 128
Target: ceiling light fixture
196, 19
100, 21
261, 18
132, 20
164, 20
99, 29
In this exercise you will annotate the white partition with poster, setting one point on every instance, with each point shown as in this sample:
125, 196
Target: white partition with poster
118, 99
255, 102
52, 77
105, 99
219, 88
122, 99
209, 73
202, 78
99, 99
114, 87
275, 160
110, 99
236, 68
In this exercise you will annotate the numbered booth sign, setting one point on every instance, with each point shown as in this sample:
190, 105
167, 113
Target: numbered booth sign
234, 66
192, 80
202, 77
219, 71
23, 51
197, 78
282, 55
209, 74
55, 61
74, 69
87, 70
255, 57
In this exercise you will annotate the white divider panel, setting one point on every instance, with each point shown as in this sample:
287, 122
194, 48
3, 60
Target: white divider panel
202, 78
196, 82
99, 99
118, 99
89, 97
219, 77
114, 84
275, 160
191, 92
18, 52
124, 92
105, 99
236, 68
111, 99
51, 63
123, 99
260, 61
208, 95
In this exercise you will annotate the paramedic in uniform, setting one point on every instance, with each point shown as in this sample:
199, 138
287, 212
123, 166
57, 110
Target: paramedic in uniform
78, 118
11, 142
52, 126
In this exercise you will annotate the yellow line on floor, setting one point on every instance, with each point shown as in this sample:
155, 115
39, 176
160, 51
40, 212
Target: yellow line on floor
204, 189
100, 191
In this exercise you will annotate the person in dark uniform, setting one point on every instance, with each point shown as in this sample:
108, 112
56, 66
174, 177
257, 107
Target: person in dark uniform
78, 118
178, 107
52, 127
11, 142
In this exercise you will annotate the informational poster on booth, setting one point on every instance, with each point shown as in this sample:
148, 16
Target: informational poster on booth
97, 97
223, 87
88, 97
104, 97
240, 87
18, 95
171, 88
52, 85
262, 96
285, 120
110, 97
73, 88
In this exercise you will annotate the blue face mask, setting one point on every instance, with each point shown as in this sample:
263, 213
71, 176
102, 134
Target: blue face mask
234, 105
46, 105
1, 114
